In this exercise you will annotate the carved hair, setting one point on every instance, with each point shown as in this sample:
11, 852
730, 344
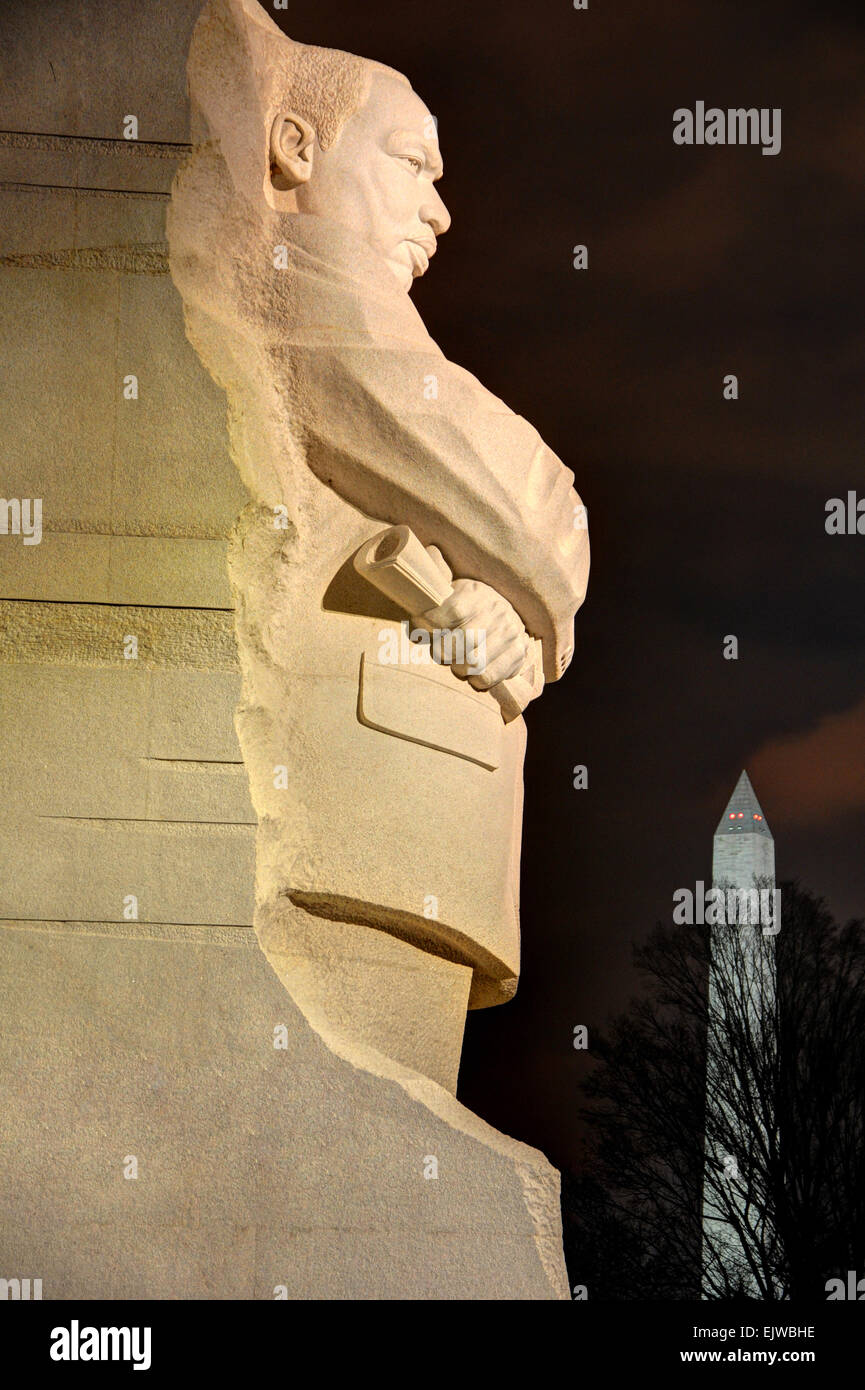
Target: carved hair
244, 72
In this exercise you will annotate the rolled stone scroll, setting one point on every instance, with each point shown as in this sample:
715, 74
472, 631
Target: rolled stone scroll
397, 564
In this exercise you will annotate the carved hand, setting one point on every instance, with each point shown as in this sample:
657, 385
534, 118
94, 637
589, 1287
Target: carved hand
495, 636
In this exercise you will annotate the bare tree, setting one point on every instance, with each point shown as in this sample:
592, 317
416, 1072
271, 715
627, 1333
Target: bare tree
756, 1123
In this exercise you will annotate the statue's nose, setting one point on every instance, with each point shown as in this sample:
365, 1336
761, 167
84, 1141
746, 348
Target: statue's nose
435, 214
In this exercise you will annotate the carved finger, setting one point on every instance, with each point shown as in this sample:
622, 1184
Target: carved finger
507, 664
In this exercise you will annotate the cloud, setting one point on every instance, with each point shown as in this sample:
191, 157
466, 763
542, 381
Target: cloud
817, 776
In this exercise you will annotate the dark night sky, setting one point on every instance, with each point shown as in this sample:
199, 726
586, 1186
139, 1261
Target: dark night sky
706, 516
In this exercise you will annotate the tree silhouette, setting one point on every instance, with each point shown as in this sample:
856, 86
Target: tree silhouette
762, 1117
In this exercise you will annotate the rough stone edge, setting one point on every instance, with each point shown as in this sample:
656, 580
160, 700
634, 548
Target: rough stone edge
538, 1178
540, 1181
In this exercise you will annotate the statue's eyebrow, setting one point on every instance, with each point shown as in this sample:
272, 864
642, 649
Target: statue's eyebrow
433, 160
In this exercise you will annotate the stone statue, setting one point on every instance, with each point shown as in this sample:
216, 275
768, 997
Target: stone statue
384, 755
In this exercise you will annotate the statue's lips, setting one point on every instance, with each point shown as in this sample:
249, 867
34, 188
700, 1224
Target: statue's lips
420, 253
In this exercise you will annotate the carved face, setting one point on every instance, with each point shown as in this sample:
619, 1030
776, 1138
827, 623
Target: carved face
378, 179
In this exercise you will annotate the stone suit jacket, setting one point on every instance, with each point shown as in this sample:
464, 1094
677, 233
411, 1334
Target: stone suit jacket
386, 794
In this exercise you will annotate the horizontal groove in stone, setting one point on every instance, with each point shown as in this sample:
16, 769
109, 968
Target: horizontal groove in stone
144, 826
96, 526
128, 260
10, 186
198, 933
92, 144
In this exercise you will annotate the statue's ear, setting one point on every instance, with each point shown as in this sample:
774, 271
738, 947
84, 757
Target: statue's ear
292, 146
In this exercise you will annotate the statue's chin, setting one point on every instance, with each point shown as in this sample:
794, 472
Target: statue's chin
402, 273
